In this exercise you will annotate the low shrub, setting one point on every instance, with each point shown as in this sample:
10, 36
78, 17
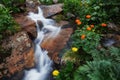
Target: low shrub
7, 26
13, 5
92, 61
105, 66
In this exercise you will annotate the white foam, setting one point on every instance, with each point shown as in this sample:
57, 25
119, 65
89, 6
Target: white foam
42, 61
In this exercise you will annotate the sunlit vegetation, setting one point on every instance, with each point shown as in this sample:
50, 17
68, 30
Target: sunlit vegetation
7, 24
14, 6
87, 59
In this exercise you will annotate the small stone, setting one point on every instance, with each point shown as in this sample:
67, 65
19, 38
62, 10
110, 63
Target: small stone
70, 15
5, 72
55, 1
1, 75
1, 66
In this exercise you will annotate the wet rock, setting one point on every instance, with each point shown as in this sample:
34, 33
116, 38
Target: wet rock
22, 54
62, 24
54, 44
40, 24
48, 11
108, 42
113, 26
23, 20
26, 24
31, 5
51, 10
70, 15
18, 76
111, 40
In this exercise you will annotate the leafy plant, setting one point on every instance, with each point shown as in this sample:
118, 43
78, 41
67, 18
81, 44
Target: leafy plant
90, 42
13, 5
72, 6
66, 72
105, 66
91, 19
7, 25
101, 10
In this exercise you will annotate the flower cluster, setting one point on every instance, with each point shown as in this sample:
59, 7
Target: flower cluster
78, 22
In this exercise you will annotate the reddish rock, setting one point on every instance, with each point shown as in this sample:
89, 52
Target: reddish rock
31, 5
26, 24
51, 10
23, 20
22, 54
62, 23
48, 11
54, 45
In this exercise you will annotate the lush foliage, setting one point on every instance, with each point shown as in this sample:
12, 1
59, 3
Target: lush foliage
7, 25
100, 10
89, 43
66, 72
105, 66
92, 61
13, 5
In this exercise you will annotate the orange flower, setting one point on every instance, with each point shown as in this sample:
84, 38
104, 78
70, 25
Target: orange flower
83, 36
103, 24
88, 16
77, 20
88, 28
92, 26
79, 23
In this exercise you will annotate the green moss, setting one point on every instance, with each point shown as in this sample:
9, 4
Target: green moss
59, 17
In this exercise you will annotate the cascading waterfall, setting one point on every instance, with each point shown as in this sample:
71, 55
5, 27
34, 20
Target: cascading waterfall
43, 64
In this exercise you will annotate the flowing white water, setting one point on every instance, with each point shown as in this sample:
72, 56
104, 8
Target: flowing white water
43, 65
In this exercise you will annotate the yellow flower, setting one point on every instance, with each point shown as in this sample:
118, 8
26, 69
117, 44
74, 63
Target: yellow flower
55, 73
74, 49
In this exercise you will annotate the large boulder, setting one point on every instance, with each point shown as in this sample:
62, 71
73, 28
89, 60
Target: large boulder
22, 55
51, 10
26, 24
48, 10
55, 44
